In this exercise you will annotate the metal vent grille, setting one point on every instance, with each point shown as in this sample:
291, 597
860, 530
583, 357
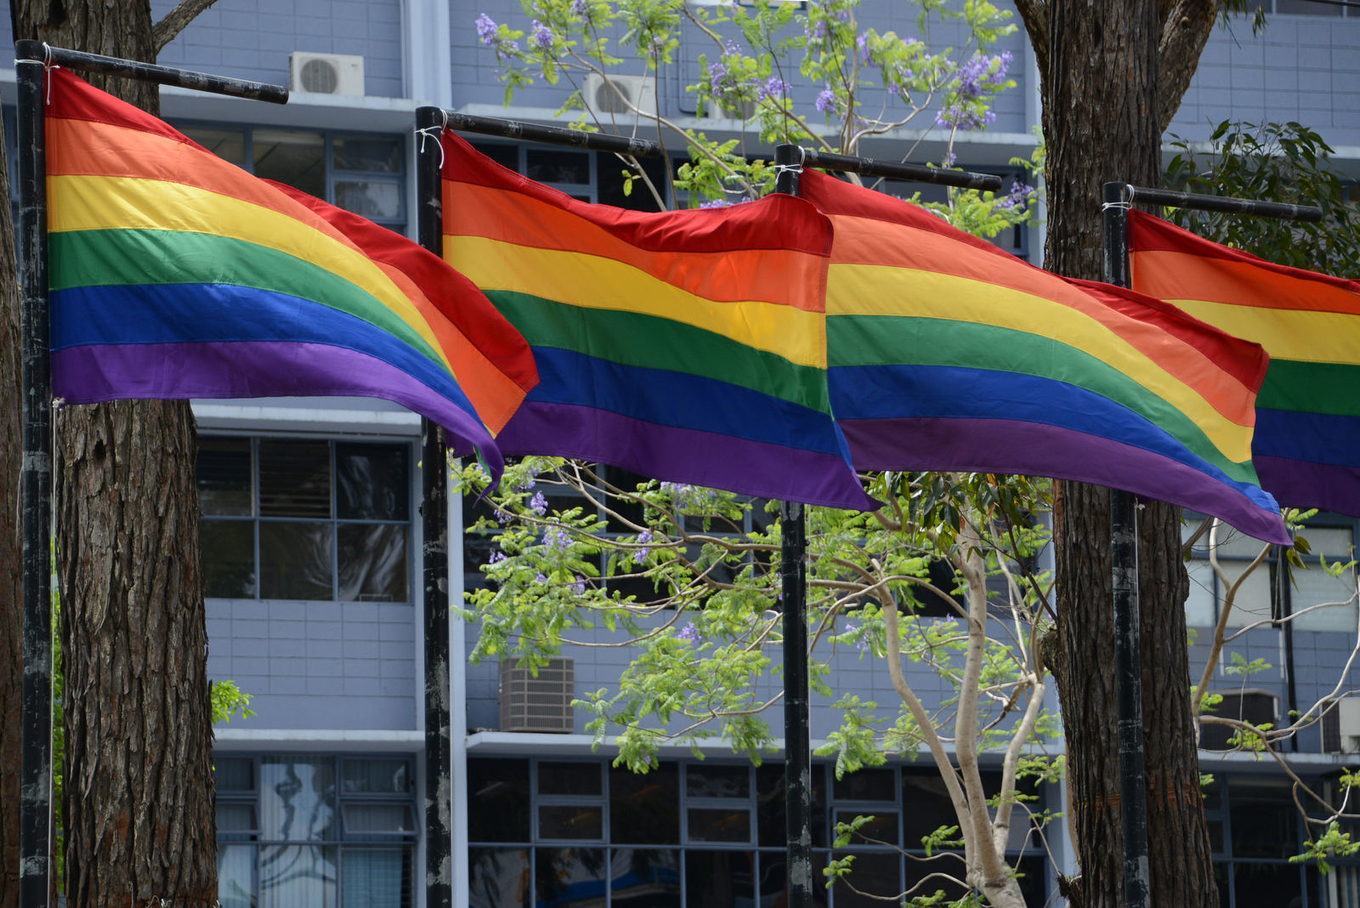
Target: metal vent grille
538, 704
1255, 706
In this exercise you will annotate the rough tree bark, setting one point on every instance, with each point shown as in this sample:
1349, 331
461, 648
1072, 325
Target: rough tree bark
11, 574
1113, 73
139, 821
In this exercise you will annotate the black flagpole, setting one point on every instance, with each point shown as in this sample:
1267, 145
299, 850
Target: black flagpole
793, 587
35, 802
1118, 199
434, 514
1124, 554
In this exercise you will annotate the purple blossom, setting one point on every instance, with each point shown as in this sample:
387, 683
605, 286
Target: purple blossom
949, 159
556, 539
687, 496
964, 118
496, 557
579, 587
689, 632
841, 12
486, 30
826, 101
640, 556
538, 504
540, 577
774, 88
541, 36
865, 55
717, 72
580, 8
1018, 197
715, 203
733, 47
818, 31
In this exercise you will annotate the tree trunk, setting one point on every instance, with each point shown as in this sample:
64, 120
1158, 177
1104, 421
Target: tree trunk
1101, 123
11, 557
139, 821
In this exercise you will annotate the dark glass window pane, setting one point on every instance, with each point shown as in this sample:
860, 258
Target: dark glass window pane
925, 807
719, 825
293, 157
372, 482
377, 154
569, 778
770, 806
717, 781
377, 776
296, 560
234, 773
377, 878
1216, 836
570, 821
236, 876
1033, 883
498, 801
875, 873
881, 830
227, 144
235, 817
557, 166
645, 809
644, 878
720, 879
609, 173
774, 880
223, 473
1263, 820
374, 566
867, 785
378, 200
1213, 795
498, 877
918, 870
1257, 885
1306, 8
228, 551
295, 478
505, 155
376, 821
1223, 877
297, 799
293, 875
570, 876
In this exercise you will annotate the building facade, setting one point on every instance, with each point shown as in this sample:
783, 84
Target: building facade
311, 533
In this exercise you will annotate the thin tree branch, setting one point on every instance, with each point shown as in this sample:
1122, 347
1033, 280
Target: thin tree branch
175, 21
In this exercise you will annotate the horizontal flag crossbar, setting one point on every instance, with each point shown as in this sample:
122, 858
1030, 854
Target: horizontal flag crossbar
150, 72
551, 135
919, 173
1197, 202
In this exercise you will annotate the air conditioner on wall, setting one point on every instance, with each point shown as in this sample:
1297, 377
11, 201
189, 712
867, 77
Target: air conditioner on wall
326, 74
603, 99
538, 704
742, 110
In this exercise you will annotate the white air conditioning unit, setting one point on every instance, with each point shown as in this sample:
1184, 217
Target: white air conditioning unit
1348, 724
326, 74
742, 110
602, 97
538, 704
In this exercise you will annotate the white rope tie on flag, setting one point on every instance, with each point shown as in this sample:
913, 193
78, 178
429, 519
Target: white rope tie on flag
792, 168
1125, 205
436, 133
47, 64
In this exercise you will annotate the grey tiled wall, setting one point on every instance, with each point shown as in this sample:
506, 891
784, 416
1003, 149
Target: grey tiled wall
313, 665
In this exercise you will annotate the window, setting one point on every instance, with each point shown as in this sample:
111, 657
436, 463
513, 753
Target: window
307, 829
305, 519
361, 173
591, 176
695, 833
1313, 8
1265, 594
1014, 240
1254, 828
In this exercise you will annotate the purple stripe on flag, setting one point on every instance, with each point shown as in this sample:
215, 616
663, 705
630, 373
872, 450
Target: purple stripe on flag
1300, 484
1034, 449
684, 455
91, 374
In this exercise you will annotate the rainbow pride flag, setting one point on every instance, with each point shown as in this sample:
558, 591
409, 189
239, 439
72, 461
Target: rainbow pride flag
946, 353
1307, 443
687, 346
175, 274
